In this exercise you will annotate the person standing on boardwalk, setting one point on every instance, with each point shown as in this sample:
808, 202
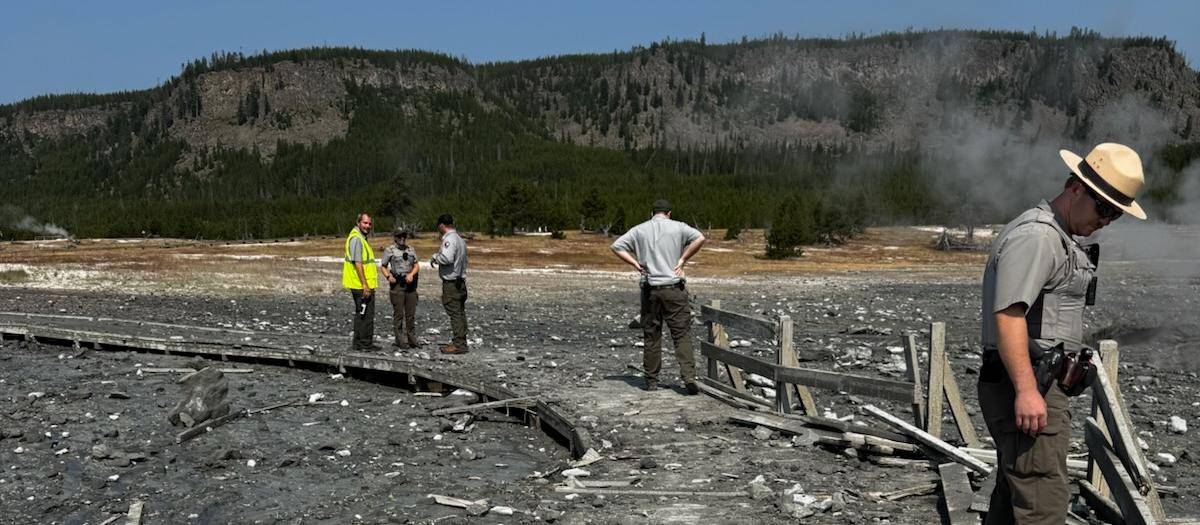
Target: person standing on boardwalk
401, 267
360, 276
451, 263
658, 249
1036, 283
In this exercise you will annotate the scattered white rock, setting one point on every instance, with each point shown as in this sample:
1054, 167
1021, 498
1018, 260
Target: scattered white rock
344, 403
432, 331
462, 392
36, 395
251, 463
575, 473
1165, 458
1178, 425
552, 338
313, 398
502, 511
114, 477
19, 450
335, 377
345, 452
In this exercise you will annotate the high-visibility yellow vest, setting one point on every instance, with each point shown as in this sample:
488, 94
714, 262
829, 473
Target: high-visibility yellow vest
349, 274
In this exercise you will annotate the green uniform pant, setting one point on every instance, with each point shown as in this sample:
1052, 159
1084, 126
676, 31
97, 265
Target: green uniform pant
404, 313
669, 305
1032, 483
364, 320
454, 300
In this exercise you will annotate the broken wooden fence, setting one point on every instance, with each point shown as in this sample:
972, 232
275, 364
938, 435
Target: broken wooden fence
791, 381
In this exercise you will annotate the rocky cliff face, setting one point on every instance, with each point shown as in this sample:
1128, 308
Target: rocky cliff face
897, 91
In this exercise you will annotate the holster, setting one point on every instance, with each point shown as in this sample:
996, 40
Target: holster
1073, 372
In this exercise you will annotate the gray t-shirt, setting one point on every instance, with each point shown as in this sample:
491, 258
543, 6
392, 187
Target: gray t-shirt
451, 258
657, 244
399, 261
1027, 257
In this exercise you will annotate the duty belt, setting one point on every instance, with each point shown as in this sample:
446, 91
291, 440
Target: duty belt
665, 286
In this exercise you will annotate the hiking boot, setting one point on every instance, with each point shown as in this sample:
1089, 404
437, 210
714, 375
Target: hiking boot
413, 343
454, 349
692, 389
651, 385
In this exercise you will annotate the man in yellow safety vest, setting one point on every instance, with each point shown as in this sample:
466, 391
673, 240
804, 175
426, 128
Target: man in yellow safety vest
360, 276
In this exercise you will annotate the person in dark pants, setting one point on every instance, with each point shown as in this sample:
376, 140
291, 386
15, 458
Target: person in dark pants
360, 276
1035, 287
451, 262
400, 266
658, 249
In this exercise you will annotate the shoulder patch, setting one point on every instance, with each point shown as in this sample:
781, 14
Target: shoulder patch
446, 244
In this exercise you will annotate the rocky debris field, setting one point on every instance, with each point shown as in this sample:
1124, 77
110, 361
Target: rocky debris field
561, 337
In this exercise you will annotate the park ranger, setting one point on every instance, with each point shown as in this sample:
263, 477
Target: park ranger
658, 249
360, 276
451, 262
1036, 283
401, 267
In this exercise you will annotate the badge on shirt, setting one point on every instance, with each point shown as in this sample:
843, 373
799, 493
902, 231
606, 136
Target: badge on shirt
446, 244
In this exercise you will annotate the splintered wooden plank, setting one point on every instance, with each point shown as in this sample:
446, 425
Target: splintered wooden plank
514, 402
1134, 509
917, 398
956, 490
726, 389
930, 441
741, 324
937, 374
1124, 443
1101, 505
983, 498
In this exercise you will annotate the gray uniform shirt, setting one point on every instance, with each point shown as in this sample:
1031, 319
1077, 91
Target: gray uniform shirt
399, 261
1034, 258
451, 259
657, 245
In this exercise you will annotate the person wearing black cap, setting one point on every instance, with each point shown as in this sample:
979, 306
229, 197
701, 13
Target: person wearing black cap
400, 264
451, 262
658, 250
1037, 281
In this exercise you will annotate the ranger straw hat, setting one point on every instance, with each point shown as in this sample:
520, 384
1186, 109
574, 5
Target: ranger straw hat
1113, 171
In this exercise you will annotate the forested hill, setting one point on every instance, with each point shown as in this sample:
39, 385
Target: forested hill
889, 128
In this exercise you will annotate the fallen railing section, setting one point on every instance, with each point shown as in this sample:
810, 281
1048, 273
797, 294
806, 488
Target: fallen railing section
225, 345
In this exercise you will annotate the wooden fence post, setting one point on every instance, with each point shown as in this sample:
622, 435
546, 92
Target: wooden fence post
914, 376
937, 375
787, 357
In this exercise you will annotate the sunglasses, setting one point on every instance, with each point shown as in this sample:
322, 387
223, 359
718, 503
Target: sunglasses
1104, 209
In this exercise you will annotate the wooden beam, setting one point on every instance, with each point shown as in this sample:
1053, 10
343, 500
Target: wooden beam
744, 362
851, 384
149, 370
916, 397
742, 324
514, 402
207, 426
1104, 508
818, 436
705, 382
1124, 443
930, 441
134, 517
1134, 509
652, 493
957, 494
962, 419
937, 374
842, 426
714, 336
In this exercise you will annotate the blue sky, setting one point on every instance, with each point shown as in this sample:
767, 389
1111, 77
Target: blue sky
91, 46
